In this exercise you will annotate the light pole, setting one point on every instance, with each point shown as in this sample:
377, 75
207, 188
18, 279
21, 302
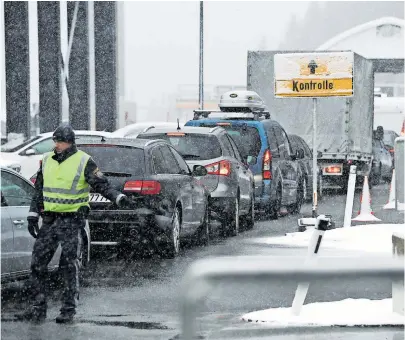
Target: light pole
201, 73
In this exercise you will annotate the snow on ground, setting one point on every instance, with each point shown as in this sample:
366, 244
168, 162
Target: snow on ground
349, 312
375, 238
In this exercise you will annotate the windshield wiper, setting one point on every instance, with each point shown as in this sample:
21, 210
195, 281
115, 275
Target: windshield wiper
186, 156
116, 174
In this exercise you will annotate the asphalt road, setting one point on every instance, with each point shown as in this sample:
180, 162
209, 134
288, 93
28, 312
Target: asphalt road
139, 298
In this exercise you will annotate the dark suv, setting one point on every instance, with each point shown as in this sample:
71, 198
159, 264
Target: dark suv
170, 202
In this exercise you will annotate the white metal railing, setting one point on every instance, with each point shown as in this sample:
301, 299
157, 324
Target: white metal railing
204, 275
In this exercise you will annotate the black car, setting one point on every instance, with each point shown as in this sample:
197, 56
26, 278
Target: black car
305, 160
170, 202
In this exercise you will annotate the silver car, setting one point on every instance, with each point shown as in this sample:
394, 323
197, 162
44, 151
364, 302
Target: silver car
16, 241
229, 179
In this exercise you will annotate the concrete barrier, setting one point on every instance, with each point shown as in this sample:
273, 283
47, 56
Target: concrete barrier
398, 285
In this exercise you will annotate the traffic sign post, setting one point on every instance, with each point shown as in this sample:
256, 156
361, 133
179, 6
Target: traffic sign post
313, 75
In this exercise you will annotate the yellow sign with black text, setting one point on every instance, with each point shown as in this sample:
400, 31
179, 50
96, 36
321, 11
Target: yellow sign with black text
322, 74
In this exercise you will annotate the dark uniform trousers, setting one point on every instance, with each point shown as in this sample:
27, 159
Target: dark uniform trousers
63, 229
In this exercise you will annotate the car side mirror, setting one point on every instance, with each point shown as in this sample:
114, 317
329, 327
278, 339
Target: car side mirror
300, 154
30, 152
199, 170
251, 160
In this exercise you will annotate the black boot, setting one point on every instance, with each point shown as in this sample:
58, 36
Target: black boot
32, 314
65, 317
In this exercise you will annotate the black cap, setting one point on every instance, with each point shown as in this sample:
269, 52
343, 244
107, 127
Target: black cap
64, 133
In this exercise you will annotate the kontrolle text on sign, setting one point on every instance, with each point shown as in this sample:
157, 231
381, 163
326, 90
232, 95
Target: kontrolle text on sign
320, 74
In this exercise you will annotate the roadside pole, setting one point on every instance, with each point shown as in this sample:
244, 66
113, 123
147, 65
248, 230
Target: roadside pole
350, 197
314, 162
201, 70
322, 224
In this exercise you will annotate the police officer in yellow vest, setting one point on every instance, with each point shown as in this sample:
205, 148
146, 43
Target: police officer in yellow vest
61, 199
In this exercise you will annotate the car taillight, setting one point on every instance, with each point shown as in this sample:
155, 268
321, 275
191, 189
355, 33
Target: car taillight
33, 180
222, 168
333, 169
267, 165
143, 187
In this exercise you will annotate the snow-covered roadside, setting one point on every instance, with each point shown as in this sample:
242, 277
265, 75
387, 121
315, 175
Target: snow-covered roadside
367, 238
349, 312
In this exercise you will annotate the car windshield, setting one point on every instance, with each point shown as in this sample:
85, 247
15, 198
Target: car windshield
192, 146
116, 158
17, 144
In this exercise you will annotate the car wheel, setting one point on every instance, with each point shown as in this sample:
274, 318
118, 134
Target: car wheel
376, 176
305, 190
296, 207
172, 248
234, 223
276, 206
203, 235
249, 219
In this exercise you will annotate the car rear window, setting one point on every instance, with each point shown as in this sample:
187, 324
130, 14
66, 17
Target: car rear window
191, 146
389, 139
117, 158
246, 138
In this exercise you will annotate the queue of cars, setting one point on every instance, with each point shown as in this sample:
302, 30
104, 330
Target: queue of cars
222, 165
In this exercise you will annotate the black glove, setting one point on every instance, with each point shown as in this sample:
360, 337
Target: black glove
33, 227
125, 202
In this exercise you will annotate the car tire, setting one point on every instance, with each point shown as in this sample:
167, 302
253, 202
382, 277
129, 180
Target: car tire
376, 176
172, 247
234, 220
274, 210
204, 232
296, 207
248, 221
306, 191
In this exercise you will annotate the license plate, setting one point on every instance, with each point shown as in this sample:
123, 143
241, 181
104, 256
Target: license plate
98, 198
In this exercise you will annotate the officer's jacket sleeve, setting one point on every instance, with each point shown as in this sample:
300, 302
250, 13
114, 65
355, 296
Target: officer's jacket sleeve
99, 182
37, 202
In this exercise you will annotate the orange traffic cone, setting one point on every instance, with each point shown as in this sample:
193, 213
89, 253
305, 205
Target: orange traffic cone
391, 199
366, 213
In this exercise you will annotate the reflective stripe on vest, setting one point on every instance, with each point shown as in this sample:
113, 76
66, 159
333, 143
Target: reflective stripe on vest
65, 200
65, 188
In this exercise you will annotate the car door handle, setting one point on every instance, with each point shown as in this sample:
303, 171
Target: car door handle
19, 222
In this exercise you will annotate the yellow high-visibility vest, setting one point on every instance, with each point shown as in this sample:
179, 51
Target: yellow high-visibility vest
65, 188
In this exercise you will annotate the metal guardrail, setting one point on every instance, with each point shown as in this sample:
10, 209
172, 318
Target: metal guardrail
204, 275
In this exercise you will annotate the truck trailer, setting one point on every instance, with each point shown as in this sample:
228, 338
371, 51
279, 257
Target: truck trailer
344, 124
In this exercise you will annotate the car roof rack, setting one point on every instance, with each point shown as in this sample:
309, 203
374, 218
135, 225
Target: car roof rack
199, 114
237, 105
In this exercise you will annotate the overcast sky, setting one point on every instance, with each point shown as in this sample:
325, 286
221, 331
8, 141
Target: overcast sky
162, 42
